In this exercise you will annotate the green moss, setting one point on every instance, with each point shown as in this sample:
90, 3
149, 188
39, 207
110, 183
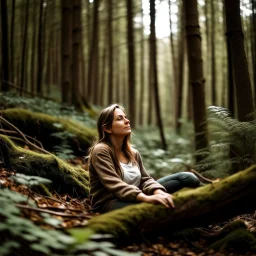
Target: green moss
43, 126
192, 208
65, 177
240, 240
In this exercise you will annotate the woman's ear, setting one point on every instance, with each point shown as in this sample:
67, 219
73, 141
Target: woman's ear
106, 129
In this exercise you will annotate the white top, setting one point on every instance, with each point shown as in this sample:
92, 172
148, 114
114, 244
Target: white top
132, 175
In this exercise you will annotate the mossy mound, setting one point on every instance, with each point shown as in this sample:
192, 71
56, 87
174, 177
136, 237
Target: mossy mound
43, 127
65, 177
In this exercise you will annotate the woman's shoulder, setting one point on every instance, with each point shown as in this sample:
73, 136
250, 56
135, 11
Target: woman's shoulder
135, 152
99, 147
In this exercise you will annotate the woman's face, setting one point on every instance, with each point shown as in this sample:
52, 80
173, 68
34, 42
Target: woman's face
120, 125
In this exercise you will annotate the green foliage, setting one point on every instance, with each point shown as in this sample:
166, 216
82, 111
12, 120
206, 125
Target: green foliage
21, 236
157, 161
30, 181
64, 150
232, 144
49, 107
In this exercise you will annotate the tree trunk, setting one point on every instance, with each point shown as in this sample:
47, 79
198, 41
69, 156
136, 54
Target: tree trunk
180, 72
39, 50
131, 62
66, 50
12, 52
142, 67
213, 75
33, 62
154, 80
76, 59
196, 78
93, 66
193, 207
253, 5
240, 70
24, 46
110, 53
5, 51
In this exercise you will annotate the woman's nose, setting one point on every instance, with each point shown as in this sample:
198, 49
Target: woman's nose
127, 120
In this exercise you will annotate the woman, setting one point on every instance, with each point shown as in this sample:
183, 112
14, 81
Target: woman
117, 175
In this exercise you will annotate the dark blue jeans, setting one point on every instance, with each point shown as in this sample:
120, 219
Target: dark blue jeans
172, 183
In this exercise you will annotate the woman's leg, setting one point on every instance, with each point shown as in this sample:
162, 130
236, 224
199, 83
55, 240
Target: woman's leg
178, 181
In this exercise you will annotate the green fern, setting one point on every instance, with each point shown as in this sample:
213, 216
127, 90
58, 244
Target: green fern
232, 143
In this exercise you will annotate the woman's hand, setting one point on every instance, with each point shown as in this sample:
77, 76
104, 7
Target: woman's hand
158, 198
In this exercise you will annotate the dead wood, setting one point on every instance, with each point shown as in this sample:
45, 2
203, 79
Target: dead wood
43, 128
65, 177
193, 208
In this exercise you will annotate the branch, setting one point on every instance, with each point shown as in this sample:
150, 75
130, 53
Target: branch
53, 212
13, 132
24, 137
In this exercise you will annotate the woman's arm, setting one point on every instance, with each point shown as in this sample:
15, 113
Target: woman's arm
148, 184
158, 198
107, 174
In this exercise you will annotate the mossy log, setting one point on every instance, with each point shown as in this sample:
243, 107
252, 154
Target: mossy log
42, 127
65, 177
193, 208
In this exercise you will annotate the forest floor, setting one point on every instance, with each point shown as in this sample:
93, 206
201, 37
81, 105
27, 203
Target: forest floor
74, 212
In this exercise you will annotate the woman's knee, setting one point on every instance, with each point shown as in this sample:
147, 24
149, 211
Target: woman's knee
190, 179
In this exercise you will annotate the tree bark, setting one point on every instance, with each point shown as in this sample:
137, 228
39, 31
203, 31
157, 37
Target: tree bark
131, 62
5, 51
93, 65
240, 70
196, 78
66, 50
154, 80
193, 208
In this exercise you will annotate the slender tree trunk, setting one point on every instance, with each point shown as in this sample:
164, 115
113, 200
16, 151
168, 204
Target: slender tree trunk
175, 70
5, 51
39, 50
76, 44
24, 46
196, 78
180, 72
131, 62
66, 50
253, 22
142, 80
153, 58
240, 70
213, 73
12, 50
110, 53
93, 66
33, 53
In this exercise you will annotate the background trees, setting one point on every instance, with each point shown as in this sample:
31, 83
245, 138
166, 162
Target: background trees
94, 53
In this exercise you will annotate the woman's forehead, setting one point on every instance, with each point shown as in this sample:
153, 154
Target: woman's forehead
118, 112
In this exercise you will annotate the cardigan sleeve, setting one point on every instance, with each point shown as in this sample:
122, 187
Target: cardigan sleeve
148, 184
108, 176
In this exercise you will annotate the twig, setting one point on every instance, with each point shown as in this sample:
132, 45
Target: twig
200, 176
52, 212
13, 132
24, 137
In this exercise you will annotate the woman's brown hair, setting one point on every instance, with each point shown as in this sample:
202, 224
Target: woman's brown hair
105, 120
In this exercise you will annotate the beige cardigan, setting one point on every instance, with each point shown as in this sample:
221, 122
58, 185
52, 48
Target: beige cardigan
106, 182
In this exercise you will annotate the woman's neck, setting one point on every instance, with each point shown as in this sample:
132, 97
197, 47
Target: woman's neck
117, 143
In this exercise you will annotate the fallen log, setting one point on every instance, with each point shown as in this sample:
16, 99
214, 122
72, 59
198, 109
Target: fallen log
65, 177
193, 207
45, 128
